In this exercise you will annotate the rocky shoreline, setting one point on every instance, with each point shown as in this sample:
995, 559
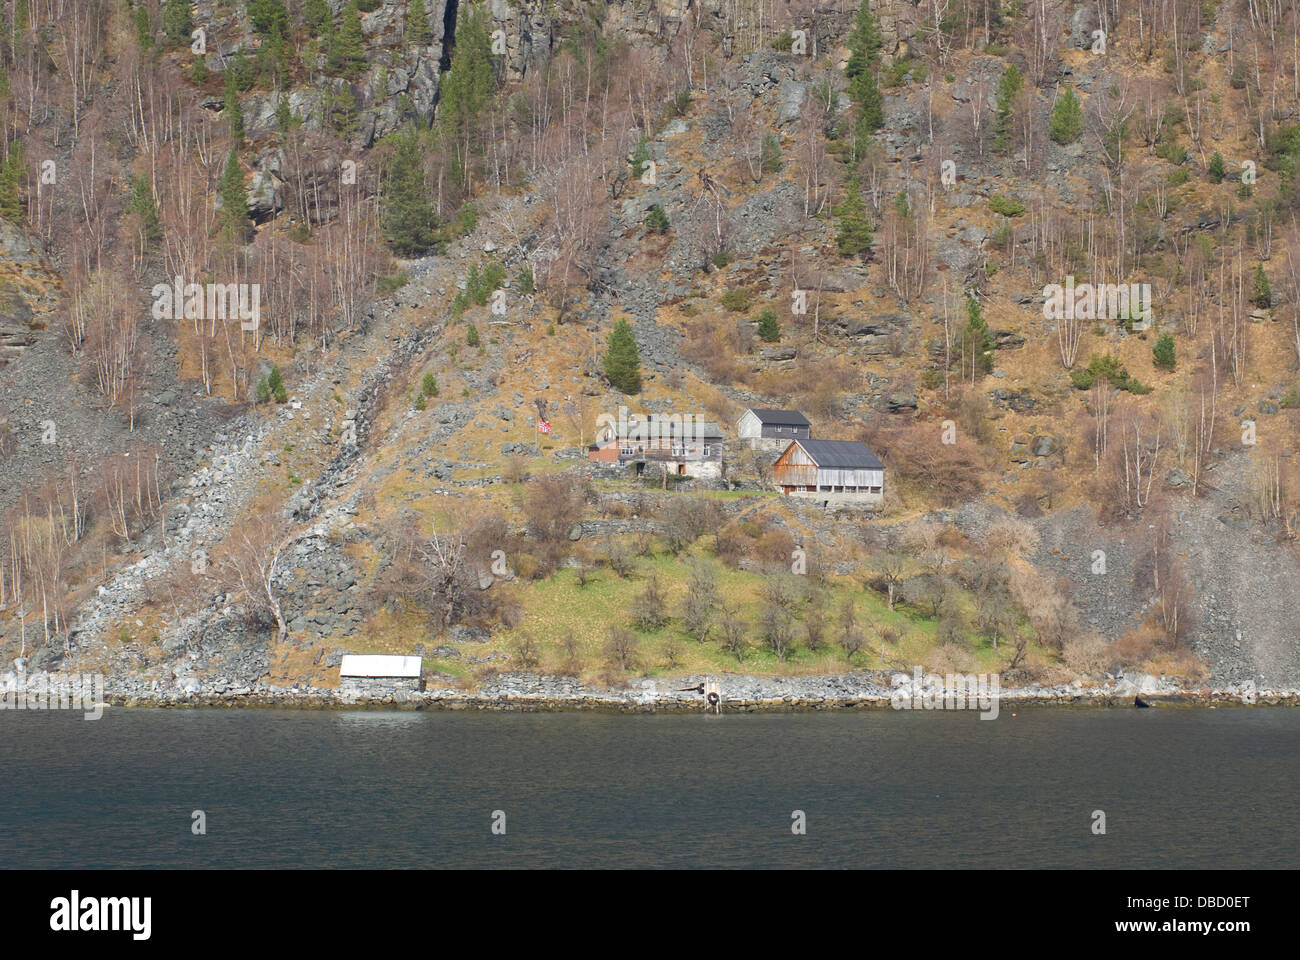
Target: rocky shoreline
535, 692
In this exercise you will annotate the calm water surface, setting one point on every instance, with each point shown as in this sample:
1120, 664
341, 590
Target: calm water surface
1179, 787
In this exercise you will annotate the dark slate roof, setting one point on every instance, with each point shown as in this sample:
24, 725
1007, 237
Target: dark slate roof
841, 455
785, 418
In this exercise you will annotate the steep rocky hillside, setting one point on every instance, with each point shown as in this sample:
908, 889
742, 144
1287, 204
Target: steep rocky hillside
448, 210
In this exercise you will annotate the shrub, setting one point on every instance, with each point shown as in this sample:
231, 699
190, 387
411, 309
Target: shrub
1174, 154
471, 336
1107, 368
768, 326
1006, 206
429, 387
737, 301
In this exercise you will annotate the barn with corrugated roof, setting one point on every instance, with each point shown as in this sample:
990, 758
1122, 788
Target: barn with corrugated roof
834, 472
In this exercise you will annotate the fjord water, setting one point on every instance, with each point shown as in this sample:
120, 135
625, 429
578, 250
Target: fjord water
287, 788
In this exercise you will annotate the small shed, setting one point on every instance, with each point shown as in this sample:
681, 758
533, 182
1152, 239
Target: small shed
839, 473
376, 676
772, 430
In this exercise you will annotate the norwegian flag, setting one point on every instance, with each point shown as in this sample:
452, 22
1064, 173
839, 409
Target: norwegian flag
543, 426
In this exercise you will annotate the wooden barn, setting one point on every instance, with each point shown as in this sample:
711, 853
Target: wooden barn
762, 429
838, 473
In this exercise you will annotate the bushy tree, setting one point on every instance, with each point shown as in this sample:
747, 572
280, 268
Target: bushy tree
622, 359
769, 328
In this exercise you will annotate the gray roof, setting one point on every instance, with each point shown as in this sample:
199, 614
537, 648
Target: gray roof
644, 427
841, 454
786, 418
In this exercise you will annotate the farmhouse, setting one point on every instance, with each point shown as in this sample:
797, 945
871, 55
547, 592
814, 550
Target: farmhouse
838, 473
772, 430
684, 446
379, 676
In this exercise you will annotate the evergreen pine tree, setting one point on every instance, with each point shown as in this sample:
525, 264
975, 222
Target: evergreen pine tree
1004, 117
143, 205
231, 108
865, 92
276, 385
177, 24
465, 88
1261, 293
864, 43
657, 220
235, 224
11, 168
1066, 122
347, 56
316, 18
1163, 352
622, 360
268, 15
417, 24
976, 341
1217, 171
769, 328
408, 218
855, 236
143, 29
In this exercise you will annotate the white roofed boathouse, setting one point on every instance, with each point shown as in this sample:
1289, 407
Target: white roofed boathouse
375, 676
